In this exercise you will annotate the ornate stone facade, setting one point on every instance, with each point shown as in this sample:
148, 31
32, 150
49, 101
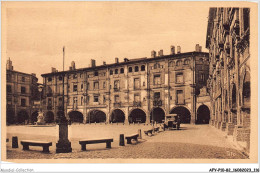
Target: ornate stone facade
229, 72
21, 92
133, 91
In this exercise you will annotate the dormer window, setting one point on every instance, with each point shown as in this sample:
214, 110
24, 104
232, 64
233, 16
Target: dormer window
136, 68
122, 70
130, 69
179, 63
187, 62
143, 68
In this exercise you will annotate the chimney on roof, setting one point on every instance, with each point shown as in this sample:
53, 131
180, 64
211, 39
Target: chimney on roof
53, 70
197, 48
160, 53
116, 60
9, 65
73, 66
93, 63
104, 63
200, 49
172, 50
153, 54
126, 59
178, 49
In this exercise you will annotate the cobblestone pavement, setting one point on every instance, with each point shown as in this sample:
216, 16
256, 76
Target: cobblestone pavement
192, 141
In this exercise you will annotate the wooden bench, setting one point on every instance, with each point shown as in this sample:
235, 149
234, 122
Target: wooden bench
83, 143
45, 145
130, 137
148, 131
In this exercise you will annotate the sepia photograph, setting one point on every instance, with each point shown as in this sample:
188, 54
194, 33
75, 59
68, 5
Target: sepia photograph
129, 82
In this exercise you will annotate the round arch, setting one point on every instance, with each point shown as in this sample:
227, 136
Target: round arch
157, 114
137, 115
246, 91
49, 117
76, 116
117, 115
22, 116
183, 112
96, 116
34, 116
234, 96
203, 115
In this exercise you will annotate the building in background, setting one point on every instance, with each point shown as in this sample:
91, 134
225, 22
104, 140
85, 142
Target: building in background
133, 91
21, 96
229, 71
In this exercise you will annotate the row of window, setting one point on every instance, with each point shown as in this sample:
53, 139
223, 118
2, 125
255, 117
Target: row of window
23, 102
137, 98
9, 78
179, 63
130, 69
9, 89
157, 80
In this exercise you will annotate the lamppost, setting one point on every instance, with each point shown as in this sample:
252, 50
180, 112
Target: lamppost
40, 117
63, 145
40, 88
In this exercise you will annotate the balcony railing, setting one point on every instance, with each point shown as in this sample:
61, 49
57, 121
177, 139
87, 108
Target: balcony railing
116, 89
118, 104
137, 104
49, 107
75, 106
180, 102
157, 103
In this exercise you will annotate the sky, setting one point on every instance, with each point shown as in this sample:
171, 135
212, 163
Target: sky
35, 33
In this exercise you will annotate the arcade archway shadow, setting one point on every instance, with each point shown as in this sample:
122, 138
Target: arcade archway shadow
10, 116
158, 115
183, 112
96, 116
203, 115
49, 117
76, 116
117, 116
34, 116
137, 115
22, 117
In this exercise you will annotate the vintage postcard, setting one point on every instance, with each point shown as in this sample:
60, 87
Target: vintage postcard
129, 82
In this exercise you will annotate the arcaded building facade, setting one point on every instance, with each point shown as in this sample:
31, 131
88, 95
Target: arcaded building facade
132, 91
21, 94
229, 71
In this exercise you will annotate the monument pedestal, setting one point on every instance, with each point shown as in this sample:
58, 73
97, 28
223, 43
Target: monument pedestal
63, 145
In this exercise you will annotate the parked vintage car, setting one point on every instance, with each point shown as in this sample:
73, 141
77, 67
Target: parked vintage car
172, 121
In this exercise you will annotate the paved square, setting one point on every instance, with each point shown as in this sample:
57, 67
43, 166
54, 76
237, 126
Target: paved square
192, 141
